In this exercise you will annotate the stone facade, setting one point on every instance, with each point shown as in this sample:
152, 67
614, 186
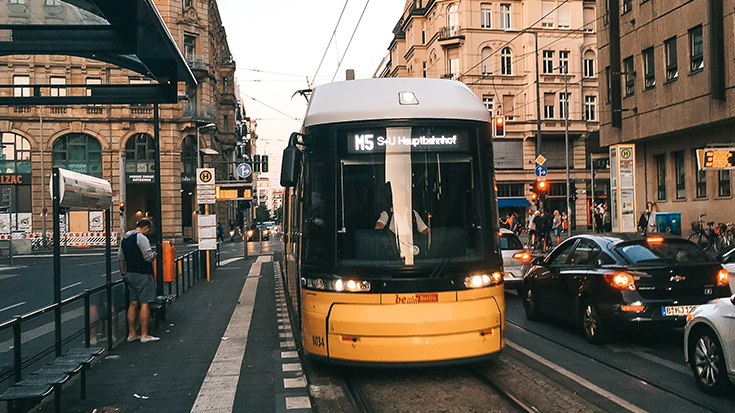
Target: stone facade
491, 47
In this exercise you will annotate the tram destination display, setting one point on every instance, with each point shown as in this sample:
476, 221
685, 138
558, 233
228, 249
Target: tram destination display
420, 140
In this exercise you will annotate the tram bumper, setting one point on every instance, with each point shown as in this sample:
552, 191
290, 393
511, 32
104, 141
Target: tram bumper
415, 333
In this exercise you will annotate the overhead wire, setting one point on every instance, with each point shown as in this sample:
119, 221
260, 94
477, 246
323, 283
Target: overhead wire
334, 33
339, 63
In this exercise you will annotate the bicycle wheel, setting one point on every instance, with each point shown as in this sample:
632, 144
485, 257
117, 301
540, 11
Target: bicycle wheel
700, 239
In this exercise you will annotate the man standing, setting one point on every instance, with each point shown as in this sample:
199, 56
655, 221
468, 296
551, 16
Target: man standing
135, 258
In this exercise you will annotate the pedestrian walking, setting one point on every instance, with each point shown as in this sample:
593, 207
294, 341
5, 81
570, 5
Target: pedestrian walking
557, 226
652, 217
135, 258
606, 219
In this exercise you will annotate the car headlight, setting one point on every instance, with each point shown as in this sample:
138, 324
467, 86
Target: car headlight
483, 280
337, 285
621, 281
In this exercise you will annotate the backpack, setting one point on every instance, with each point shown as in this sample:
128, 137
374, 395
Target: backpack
643, 221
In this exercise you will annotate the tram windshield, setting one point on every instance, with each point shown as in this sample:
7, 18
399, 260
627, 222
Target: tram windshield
408, 196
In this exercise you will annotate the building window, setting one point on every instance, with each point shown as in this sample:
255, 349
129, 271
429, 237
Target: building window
423, 32
486, 54
723, 182
627, 5
548, 64
57, 91
564, 105
453, 63
505, 16
549, 104
423, 69
189, 156
53, 2
22, 91
547, 13
92, 81
661, 176
680, 172
700, 176
564, 20
564, 61
188, 3
588, 16
78, 152
16, 154
508, 106
672, 70
696, 49
649, 68
608, 82
486, 20
510, 190
453, 18
629, 76
489, 102
190, 45
140, 154
589, 64
506, 61
606, 16
590, 108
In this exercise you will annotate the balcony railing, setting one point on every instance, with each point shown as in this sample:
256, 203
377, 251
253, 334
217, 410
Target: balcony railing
446, 33
197, 62
199, 112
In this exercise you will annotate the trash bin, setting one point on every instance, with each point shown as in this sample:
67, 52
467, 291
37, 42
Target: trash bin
169, 263
669, 222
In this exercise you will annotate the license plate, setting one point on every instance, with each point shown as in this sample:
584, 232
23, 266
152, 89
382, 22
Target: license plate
677, 310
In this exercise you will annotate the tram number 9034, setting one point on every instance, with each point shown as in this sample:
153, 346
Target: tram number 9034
317, 341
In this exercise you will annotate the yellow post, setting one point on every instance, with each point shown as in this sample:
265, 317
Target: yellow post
206, 212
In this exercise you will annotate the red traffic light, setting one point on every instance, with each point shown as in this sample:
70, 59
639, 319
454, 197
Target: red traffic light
499, 126
541, 185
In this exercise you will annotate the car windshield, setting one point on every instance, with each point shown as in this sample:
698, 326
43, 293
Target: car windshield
667, 251
510, 242
411, 201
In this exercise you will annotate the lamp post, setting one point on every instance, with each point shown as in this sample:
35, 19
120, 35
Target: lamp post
538, 87
565, 70
199, 155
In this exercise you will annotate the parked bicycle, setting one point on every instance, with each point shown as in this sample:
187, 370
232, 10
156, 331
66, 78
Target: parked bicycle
705, 238
725, 234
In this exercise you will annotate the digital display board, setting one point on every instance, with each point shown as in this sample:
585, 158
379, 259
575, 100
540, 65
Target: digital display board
234, 192
420, 140
716, 158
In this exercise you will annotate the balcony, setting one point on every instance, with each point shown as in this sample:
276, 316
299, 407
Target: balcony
451, 36
199, 112
197, 62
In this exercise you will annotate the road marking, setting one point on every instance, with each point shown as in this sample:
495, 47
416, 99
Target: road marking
665, 363
229, 260
41, 330
71, 286
12, 306
602, 392
217, 392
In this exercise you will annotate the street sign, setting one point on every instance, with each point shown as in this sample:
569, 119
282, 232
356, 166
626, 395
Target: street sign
541, 171
244, 170
716, 158
205, 176
540, 159
205, 186
233, 192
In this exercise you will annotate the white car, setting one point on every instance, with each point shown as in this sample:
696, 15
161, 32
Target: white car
516, 259
709, 345
728, 263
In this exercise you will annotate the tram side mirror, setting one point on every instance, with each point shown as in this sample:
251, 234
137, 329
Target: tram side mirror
291, 163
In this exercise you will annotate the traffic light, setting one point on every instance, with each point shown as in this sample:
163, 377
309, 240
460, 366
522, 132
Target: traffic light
122, 207
499, 126
534, 193
542, 188
256, 163
572, 192
264, 163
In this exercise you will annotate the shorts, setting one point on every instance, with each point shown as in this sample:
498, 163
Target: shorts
140, 287
557, 231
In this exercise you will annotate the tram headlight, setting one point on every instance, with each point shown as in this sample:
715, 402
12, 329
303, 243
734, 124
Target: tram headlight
483, 280
337, 285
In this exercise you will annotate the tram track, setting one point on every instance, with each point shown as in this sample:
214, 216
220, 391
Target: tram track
643, 380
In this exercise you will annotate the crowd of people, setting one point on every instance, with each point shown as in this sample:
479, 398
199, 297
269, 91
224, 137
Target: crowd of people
540, 226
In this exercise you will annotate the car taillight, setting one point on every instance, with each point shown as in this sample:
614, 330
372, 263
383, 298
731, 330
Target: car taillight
523, 256
621, 281
723, 278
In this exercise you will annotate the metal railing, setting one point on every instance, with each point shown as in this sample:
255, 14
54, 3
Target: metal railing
83, 315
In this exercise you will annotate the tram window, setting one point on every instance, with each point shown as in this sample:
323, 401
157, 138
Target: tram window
315, 208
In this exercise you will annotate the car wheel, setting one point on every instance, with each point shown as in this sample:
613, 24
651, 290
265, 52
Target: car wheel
530, 304
591, 323
708, 362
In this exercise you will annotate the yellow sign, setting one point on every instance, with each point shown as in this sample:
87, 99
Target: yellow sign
233, 193
716, 158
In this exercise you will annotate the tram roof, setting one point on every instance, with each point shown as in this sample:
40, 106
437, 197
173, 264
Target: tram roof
372, 99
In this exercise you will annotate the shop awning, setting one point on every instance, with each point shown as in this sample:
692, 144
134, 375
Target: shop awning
513, 202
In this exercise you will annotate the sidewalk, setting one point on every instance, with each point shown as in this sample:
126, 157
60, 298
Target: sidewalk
220, 351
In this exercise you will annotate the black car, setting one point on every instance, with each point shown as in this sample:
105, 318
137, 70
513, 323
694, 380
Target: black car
622, 281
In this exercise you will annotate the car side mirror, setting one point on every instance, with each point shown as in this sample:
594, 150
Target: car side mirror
537, 261
291, 163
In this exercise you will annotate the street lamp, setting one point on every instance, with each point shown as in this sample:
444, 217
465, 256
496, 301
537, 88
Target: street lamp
199, 156
565, 70
538, 92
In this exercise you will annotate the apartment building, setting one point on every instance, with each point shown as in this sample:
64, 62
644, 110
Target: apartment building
115, 142
667, 90
534, 62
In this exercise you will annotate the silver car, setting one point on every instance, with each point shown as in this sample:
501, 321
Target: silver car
709, 345
516, 259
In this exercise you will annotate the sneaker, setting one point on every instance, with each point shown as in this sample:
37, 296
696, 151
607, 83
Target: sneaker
131, 339
147, 339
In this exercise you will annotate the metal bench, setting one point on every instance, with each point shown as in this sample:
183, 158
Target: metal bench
24, 394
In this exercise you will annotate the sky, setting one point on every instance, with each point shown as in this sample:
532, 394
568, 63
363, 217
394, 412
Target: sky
278, 45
